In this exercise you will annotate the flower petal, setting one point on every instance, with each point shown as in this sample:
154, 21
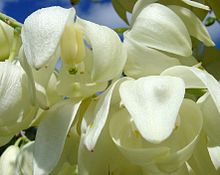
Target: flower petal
160, 28
51, 136
6, 39
190, 79
111, 163
200, 160
109, 54
193, 24
168, 156
24, 159
195, 78
143, 61
153, 103
101, 112
41, 33
196, 4
214, 153
211, 118
138, 7
8, 160
16, 110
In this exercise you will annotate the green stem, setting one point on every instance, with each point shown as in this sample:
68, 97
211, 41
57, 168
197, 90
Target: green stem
21, 139
120, 30
10, 21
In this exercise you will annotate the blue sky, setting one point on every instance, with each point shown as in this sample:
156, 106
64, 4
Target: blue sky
101, 13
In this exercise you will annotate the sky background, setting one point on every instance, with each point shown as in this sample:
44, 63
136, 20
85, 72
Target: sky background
100, 12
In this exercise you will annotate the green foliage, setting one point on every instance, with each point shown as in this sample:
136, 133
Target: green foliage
210, 20
123, 6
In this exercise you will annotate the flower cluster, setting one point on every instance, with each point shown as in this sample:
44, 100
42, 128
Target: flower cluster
102, 106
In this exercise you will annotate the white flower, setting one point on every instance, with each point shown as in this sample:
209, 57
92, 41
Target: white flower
53, 29
159, 38
17, 109
210, 103
155, 116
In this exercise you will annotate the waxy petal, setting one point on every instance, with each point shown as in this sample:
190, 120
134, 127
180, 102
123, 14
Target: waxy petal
109, 54
211, 117
6, 39
24, 159
41, 33
153, 103
51, 136
111, 163
196, 78
100, 113
8, 160
143, 61
193, 24
160, 28
168, 156
200, 160
214, 153
196, 4
16, 110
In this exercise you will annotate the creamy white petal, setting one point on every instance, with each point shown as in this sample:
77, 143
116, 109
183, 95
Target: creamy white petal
24, 159
195, 78
69, 155
160, 28
104, 159
143, 61
8, 160
200, 160
193, 24
214, 153
153, 103
27, 68
6, 38
211, 118
190, 79
168, 156
196, 4
109, 54
51, 136
41, 33
129, 141
138, 7
101, 112
16, 110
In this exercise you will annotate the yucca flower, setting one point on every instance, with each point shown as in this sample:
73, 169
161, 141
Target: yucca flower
159, 38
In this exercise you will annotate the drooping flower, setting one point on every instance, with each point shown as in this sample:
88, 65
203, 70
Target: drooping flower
17, 107
84, 68
154, 116
161, 34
